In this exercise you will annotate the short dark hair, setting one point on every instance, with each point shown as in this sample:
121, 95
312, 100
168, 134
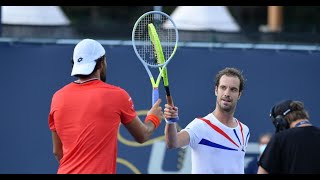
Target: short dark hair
230, 72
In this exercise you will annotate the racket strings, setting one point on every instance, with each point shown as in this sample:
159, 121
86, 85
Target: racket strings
145, 47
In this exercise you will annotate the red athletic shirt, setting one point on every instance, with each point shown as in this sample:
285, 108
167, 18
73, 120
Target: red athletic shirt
87, 117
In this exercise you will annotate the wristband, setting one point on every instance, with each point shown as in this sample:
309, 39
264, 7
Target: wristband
171, 120
154, 119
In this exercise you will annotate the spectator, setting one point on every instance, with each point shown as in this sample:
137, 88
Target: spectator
294, 149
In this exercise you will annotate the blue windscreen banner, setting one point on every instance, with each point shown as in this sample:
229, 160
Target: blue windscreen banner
31, 73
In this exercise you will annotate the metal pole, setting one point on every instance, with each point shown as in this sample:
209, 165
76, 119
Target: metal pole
275, 18
0, 21
157, 18
157, 8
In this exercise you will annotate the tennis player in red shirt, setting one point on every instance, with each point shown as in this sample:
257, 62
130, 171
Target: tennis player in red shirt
85, 116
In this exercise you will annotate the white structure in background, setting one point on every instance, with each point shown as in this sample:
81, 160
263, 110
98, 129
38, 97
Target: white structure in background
34, 15
204, 18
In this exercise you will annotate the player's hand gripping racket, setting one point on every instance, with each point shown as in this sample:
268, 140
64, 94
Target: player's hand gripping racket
145, 50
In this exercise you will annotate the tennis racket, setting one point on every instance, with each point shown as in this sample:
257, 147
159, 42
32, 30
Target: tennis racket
149, 52
154, 37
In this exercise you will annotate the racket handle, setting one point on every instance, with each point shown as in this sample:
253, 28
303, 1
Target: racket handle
155, 95
170, 102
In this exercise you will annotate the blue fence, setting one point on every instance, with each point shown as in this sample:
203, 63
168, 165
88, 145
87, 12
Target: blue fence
32, 72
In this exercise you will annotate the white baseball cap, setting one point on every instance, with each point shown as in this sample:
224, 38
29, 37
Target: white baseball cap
85, 54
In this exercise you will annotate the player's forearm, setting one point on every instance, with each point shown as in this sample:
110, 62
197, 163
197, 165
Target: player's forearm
151, 123
142, 131
149, 129
171, 136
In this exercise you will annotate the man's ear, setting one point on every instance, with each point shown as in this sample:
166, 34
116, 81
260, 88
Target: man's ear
99, 64
216, 91
239, 95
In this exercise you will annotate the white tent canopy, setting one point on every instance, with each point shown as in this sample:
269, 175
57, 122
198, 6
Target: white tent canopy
197, 18
34, 15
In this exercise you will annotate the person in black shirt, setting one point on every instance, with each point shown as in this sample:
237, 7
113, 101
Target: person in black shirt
294, 149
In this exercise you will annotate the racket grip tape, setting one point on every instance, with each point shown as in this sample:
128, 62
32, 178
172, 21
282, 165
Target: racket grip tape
170, 101
155, 95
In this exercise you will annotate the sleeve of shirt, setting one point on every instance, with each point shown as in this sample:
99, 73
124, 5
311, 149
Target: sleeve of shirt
270, 159
128, 112
193, 130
